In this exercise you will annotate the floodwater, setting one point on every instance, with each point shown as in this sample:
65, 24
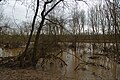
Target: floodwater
10, 52
80, 65
92, 69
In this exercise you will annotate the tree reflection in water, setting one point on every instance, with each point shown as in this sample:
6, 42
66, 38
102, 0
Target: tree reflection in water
81, 64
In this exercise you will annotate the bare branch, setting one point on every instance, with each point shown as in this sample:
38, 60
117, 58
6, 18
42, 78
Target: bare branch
52, 7
82, 0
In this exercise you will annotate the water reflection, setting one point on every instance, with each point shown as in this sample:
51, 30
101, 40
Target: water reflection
98, 68
80, 64
10, 52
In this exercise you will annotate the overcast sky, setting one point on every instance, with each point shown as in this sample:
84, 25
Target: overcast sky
18, 11
15, 11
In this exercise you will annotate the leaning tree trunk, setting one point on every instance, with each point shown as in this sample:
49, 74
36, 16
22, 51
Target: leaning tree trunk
24, 55
44, 13
31, 56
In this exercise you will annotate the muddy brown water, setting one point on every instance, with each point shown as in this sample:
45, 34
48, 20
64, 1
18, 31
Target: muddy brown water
79, 66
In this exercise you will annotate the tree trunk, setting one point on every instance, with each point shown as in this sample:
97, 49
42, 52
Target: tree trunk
23, 56
44, 13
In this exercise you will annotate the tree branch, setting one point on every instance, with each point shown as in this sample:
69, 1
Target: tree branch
52, 7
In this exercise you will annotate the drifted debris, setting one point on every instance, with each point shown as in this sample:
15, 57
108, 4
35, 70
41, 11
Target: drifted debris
44, 50
8, 61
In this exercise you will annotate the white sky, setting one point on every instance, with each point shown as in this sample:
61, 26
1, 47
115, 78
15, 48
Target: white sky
18, 11
15, 11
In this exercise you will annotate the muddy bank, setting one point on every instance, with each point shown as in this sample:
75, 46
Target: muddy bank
29, 74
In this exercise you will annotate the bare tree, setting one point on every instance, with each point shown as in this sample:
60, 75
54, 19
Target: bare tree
82, 19
44, 13
74, 22
1, 14
114, 20
35, 54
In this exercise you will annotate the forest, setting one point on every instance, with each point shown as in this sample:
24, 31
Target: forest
60, 40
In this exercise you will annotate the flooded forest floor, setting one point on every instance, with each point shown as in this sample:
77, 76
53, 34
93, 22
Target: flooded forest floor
83, 62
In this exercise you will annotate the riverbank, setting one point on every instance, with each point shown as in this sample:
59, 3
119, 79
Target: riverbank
29, 74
